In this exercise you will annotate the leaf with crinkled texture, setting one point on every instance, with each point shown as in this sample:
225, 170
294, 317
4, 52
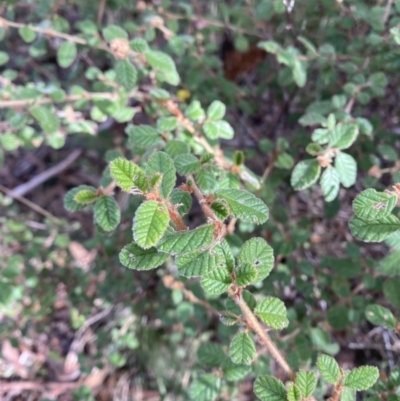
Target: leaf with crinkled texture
66, 54
149, 224
167, 124
164, 65
69, 199
198, 239
138, 45
330, 184
216, 110
211, 354
346, 167
242, 349
294, 392
234, 372
106, 213
348, 394
272, 312
197, 264
86, 196
305, 174
113, 32
216, 281
391, 291
306, 382
244, 205
207, 179
390, 264
175, 148
328, 368
194, 111
47, 120
126, 74
246, 274
137, 258
205, 388
372, 205
187, 164
218, 129
128, 175
374, 230
361, 378
181, 198
160, 162
142, 136
343, 136
380, 316
227, 252
257, 252
221, 209
267, 388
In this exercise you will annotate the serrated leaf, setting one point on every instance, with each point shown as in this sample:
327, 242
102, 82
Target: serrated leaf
228, 319
246, 274
233, 371
328, 368
343, 136
267, 388
244, 205
211, 354
390, 264
27, 34
126, 74
320, 136
305, 174
197, 264
69, 199
221, 209
380, 316
361, 378
216, 281
216, 110
137, 258
391, 291
176, 148
128, 175
113, 32
306, 382
346, 167
106, 213
47, 120
188, 241
187, 164
194, 111
374, 230
294, 393
242, 349
85, 196
218, 129
257, 252
181, 198
66, 54
160, 162
372, 205
272, 312
207, 178
164, 65
314, 149
330, 184
205, 388
166, 124
138, 45
142, 136
149, 224
348, 394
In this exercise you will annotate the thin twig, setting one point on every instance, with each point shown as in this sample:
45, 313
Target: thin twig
387, 11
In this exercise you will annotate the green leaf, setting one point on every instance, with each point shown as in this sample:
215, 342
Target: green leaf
4, 57
221, 209
138, 45
305, 174
338, 316
246, 274
27, 34
380, 316
390, 264
66, 54
199, 263
176, 148
330, 184
187, 164
167, 124
233, 371
106, 213
244, 205
314, 149
306, 382
372, 205
267, 388
348, 394
194, 111
205, 388
322, 341
137, 258
216, 281
361, 378
128, 176
299, 72
284, 161
343, 136
258, 253
126, 74
216, 110
294, 393
218, 129
272, 312
86, 196
320, 135
142, 136
69, 199
164, 65
211, 354
181, 198
198, 239
328, 368
207, 178
160, 162
391, 291
47, 120
374, 230
113, 32
346, 167
242, 349
149, 224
